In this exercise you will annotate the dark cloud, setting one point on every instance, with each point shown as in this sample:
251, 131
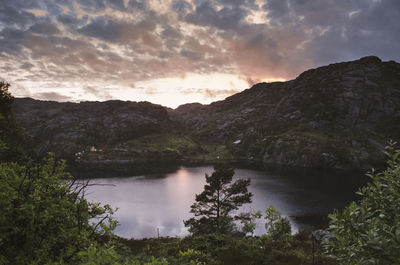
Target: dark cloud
72, 21
135, 4
22, 4
94, 6
12, 17
191, 55
26, 66
46, 28
206, 14
171, 36
277, 9
10, 41
181, 7
122, 32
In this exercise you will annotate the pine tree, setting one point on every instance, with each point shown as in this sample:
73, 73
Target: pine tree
214, 206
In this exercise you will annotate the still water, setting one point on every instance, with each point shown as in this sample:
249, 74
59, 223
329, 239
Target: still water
162, 201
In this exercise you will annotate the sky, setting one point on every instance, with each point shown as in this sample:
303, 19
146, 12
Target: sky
172, 52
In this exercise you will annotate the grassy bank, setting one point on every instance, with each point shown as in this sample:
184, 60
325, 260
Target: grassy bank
222, 249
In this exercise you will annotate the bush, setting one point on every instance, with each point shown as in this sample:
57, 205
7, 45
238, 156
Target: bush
45, 217
368, 232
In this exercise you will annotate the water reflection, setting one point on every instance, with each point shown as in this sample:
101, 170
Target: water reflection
163, 201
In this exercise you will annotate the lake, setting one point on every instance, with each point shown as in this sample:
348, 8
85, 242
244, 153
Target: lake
162, 201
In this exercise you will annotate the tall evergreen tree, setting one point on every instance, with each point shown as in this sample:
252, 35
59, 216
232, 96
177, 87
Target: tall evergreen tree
13, 139
214, 206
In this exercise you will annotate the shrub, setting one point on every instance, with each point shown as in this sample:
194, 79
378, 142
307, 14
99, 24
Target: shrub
45, 217
368, 231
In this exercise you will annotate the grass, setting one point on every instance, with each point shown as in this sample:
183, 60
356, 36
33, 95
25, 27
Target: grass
165, 142
218, 249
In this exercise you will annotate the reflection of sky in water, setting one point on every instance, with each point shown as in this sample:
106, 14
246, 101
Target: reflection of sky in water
146, 203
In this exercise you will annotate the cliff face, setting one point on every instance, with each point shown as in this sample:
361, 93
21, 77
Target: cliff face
336, 116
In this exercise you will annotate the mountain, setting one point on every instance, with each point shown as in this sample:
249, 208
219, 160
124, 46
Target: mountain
341, 115
337, 116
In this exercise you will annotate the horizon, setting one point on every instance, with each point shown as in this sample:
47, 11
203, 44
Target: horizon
186, 103
178, 52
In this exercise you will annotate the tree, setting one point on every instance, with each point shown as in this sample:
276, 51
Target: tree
249, 222
213, 207
276, 225
6, 99
13, 138
368, 231
45, 218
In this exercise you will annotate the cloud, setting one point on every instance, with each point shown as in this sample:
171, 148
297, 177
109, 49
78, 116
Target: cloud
52, 96
26, 66
12, 17
45, 28
182, 7
341, 30
86, 45
209, 93
228, 17
99, 93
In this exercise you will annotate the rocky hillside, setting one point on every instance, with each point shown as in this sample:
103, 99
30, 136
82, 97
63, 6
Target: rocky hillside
95, 131
336, 116
339, 116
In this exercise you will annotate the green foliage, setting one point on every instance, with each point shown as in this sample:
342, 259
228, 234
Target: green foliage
368, 232
192, 257
180, 144
251, 143
13, 139
250, 222
216, 203
276, 225
45, 217
218, 249
96, 254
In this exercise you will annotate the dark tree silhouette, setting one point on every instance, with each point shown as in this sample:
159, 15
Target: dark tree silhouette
214, 206
5, 99
13, 139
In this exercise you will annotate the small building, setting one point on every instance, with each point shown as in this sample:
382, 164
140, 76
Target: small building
93, 149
